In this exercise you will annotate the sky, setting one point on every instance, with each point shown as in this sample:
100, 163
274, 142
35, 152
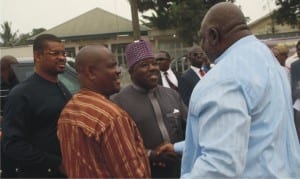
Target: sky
25, 15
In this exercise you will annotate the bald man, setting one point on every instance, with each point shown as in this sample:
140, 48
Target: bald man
98, 139
281, 53
240, 122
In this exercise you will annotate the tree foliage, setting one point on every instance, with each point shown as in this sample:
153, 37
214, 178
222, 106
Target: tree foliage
288, 12
183, 16
10, 38
22, 39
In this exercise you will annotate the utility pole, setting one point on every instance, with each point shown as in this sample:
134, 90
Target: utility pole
135, 20
273, 30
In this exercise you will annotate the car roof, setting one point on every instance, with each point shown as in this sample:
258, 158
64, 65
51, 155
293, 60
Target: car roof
70, 61
25, 59
30, 59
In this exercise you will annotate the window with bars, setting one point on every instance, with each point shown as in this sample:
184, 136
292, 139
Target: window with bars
119, 52
70, 51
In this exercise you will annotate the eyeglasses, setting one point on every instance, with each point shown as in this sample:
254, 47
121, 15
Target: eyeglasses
144, 64
56, 53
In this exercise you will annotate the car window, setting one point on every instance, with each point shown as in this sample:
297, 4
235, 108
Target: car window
23, 70
70, 80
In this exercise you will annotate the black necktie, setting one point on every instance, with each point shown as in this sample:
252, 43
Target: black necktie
159, 116
169, 81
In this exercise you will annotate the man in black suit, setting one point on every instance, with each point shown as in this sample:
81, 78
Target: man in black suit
196, 72
295, 74
168, 77
295, 83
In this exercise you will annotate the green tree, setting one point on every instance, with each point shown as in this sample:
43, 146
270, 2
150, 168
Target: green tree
7, 36
288, 12
161, 18
22, 38
10, 38
37, 31
183, 16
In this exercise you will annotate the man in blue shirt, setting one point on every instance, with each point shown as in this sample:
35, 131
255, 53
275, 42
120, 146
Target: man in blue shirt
240, 122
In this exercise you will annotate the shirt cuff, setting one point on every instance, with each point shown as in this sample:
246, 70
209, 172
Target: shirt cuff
297, 105
179, 146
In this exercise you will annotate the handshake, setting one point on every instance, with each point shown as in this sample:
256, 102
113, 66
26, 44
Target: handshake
163, 155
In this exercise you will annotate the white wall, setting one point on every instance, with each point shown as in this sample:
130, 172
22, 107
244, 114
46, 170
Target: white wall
20, 51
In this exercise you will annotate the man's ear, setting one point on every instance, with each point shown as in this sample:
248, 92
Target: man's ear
36, 56
130, 70
90, 72
214, 36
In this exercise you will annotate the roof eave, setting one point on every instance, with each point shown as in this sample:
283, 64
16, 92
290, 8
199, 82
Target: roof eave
94, 36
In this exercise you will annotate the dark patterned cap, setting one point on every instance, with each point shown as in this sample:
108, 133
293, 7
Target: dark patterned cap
138, 50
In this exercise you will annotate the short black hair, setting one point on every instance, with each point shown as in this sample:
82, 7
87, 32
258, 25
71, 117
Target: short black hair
39, 42
165, 52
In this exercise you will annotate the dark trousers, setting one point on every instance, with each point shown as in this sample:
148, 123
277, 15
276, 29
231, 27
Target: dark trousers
170, 171
8, 170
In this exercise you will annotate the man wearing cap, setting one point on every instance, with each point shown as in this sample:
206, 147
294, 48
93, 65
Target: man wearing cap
159, 112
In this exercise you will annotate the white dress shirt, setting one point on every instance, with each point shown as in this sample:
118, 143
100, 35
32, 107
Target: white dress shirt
171, 76
197, 71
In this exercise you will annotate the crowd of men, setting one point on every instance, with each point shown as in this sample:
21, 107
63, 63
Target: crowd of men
236, 119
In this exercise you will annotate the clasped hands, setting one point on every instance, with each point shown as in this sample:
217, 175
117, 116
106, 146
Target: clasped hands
164, 155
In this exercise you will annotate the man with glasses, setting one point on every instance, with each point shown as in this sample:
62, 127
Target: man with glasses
196, 72
168, 77
31, 113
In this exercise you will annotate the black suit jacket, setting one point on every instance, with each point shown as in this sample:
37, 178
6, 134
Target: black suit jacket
295, 78
188, 81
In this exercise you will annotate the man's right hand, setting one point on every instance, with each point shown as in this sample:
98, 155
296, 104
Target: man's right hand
163, 155
166, 147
